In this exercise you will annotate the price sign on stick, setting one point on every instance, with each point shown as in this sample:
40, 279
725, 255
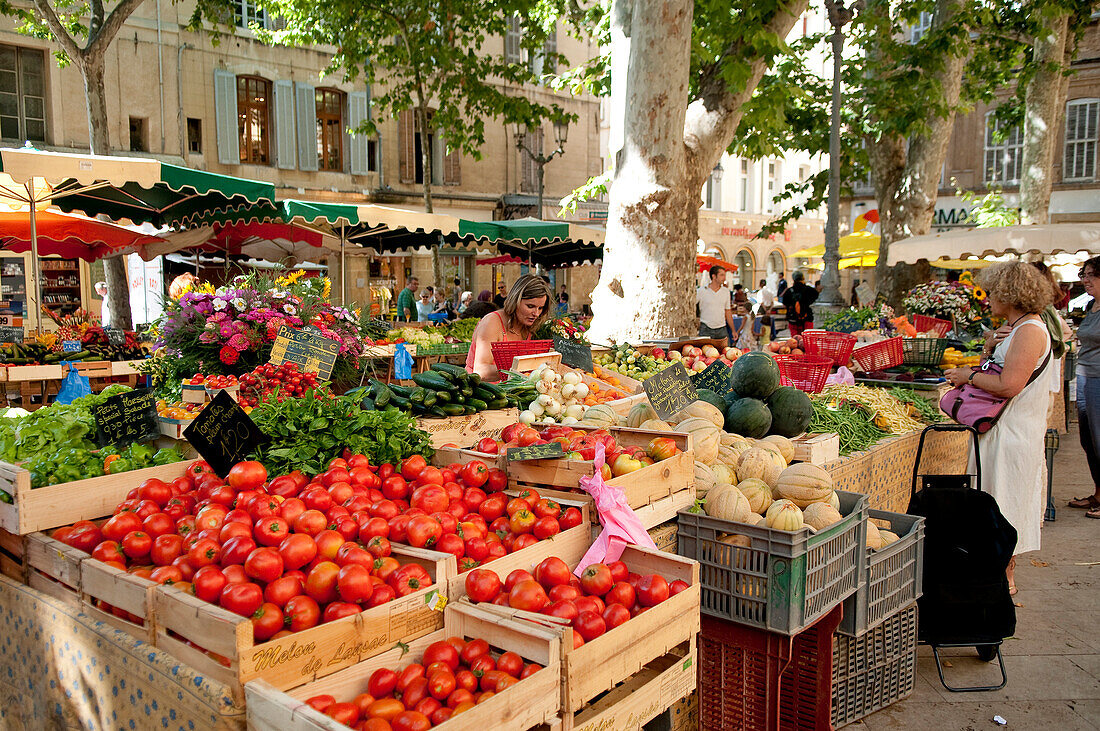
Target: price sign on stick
11, 334
536, 451
717, 377
127, 418
574, 354
223, 434
670, 391
308, 348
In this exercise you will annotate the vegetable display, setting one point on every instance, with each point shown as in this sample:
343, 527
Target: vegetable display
307, 433
443, 390
602, 598
273, 381
851, 422
562, 398
452, 677
628, 361
51, 429
76, 463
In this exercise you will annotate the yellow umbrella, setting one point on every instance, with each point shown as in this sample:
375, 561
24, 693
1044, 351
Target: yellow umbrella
852, 262
861, 243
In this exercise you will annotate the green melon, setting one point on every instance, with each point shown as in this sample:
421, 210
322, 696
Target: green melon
705, 394
748, 417
791, 411
755, 375
729, 398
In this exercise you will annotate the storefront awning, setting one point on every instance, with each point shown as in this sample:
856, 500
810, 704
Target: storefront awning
1054, 238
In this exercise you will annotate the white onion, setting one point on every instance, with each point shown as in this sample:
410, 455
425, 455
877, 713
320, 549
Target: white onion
582, 390
569, 389
572, 378
526, 417
536, 408
570, 420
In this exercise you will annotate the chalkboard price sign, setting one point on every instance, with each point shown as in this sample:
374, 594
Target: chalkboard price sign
308, 348
536, 451
716, 377
223, 434
11, 334
670, 391
115, 336
127, 418
574, 354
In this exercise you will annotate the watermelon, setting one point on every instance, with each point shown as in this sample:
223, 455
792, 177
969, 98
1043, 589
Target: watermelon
705, 394
791, 411
755, 375
729, 398
748, 417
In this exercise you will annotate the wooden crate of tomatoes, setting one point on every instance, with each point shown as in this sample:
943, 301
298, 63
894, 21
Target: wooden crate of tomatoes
480, 671
614, 618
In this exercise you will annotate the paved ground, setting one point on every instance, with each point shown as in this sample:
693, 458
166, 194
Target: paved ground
1053, 661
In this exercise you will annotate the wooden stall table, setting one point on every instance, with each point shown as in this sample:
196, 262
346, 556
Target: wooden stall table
67, 671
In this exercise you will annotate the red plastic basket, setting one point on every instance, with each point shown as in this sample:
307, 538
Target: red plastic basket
505, 352
828, 344
755, 679
879, 356
805, 372
924, 323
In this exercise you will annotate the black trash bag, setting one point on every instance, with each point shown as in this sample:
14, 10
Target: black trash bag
967, 547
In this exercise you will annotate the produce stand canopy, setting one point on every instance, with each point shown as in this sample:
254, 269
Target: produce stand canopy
1045, 239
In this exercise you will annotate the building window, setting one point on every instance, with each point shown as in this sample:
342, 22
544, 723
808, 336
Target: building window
330, 130
194, 135
746, 269
1081, 136
513, 37
139, 141
22, 94
1002, 152
247, 13
924, 24
803, 173
772, 185
529, 171
372, 156
253, 118
746, 185
435, 152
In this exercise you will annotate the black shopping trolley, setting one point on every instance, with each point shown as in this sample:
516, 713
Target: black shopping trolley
967, 547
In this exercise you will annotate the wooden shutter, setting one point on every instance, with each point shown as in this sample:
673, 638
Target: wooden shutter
285, 156
357, 142
452, 166
225, 117
406, 146
529, 171
306, 98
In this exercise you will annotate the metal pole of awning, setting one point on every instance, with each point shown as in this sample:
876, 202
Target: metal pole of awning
343, 268
36, 264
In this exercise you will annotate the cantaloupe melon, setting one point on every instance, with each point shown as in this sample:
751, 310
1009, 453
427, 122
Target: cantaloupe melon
804, 483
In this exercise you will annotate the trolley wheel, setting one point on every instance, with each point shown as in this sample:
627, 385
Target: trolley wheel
986, 652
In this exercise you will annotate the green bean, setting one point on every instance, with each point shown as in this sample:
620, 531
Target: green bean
851, 423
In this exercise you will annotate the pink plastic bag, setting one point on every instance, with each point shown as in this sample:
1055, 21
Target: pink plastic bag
842, 377
621, 526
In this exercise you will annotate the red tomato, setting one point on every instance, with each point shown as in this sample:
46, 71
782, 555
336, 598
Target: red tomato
424, 531
497, 482
596, 579
310, 522
621, 593
430, 498
510, 663
210, 516
109, 551
320, 703
247, 476
482, 585
166, 549
167, 575
473, 650
618, 571
297, 550
266, 621
353, 584
408, 579
545, 508
529, 596
320, 582
411, 467
382, 682
382, 594
652, 590
339, 610
235, 530
552, 572
158, 524
544, 528
302, 612
119, 525
615, 614
563, 609
441, 684
523, 541
85, 535
270, 531
474, 473
590, 625
235, 574
379, 547
243, 599
677, 586
282, 590
452, 544
373, 526
443, 652
488, 445
566, 592
208, 582
343, 713
204, 553
410, 721
236, 550
264, 564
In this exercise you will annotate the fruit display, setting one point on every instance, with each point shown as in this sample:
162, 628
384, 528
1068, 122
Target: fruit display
627, 361
267, 381
697, 359
563, 398
181, 410
954, 358
451, 677
782, 497
758, 405
788, 346
215, 382
603, 597
581, 445
443, 390
459, 331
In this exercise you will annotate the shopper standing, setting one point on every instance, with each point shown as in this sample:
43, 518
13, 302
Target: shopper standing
524, 310
714, 307
797, 299
406, 301
105, 309
501, 295
781, 286
1088, 384
765, 298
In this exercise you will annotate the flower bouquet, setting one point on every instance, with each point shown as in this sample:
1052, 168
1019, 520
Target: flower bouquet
962, 302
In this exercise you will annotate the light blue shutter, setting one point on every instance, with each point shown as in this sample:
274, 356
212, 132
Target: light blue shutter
357, 142
284, 125
307, 126
225, 117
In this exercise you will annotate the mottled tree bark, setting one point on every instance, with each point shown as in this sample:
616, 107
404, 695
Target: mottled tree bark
1044, 110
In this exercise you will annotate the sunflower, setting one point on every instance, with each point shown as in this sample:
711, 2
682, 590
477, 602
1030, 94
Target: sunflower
966, 277
328, 288
979, 293
290, 278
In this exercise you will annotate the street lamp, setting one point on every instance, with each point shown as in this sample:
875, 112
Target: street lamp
561, 134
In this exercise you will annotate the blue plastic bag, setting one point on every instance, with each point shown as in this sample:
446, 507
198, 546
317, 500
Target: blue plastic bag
73, 386
402, 363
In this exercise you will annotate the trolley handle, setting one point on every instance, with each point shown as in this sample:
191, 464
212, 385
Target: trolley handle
953, 427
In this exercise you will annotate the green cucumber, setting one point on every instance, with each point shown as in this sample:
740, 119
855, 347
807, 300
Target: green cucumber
453, 409
500, 403
432, 380
431, 398
478, 404
418, 394
492, 388
455, 372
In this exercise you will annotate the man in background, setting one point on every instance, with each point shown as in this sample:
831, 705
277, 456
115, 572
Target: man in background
406, 301
765, 298
714, 308
105, 309
501, 295
781, 286
797, 299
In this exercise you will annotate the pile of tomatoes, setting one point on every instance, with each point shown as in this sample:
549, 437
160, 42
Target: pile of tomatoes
453, 676
292, 552
602, 598
288, 379
213, 382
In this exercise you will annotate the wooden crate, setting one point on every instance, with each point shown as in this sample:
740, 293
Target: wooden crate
644, 696
12, 550
126, 367
48, 372
303, 656
467, 430
532, 701
622, 652
56, 505
173, 428
816, 448
528, 363
92, 368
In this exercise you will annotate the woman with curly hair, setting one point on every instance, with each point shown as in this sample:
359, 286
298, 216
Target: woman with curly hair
1012, 451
